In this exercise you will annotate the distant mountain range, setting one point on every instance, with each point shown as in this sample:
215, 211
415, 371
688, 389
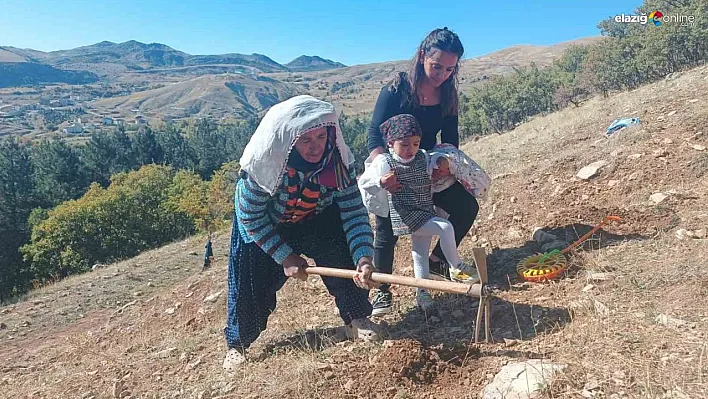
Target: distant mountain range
305, 63
135, 55
171, 83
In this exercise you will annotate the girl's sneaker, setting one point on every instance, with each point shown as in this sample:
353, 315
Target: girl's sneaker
424, 300
464, 273
382, 303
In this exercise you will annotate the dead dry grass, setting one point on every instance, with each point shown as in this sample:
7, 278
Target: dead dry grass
639, 333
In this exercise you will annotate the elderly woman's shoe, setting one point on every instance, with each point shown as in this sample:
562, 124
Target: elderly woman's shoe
365, 329
235, 357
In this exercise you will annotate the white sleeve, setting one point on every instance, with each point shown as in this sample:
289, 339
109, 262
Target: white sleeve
370, 180
429, 162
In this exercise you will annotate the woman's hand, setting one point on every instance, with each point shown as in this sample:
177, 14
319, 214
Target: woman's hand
294, 266
376, 151
443, 169
390, 183
364, 269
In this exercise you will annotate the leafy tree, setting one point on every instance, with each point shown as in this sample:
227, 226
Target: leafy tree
105, 225
208, 203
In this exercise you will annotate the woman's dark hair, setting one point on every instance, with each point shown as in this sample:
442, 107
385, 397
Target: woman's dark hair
437, 40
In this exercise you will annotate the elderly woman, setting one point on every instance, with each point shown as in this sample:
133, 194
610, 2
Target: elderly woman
297, 195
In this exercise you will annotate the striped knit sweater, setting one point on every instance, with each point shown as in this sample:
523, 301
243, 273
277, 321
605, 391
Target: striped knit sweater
258, 214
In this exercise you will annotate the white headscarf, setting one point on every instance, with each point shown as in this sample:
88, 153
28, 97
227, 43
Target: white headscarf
266, 154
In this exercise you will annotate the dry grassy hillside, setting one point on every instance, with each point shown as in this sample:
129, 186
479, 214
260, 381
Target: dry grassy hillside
354, 89
7, 56
217, 95
629, 320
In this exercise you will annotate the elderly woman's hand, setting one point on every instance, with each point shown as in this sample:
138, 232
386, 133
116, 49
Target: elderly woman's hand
294, 266
364, 269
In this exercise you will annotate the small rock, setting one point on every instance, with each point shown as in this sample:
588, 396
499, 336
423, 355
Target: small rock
513, 232
667, 141
636, 175
588, 288
634, 156
510, 342
669, 321
522, 380
660, 153
695, 100
4, 311
213, 297
434, 319
165, 353
324, 367
672, 113
194, 364
613, 183
658, 198
149, 284
600, 308
3, 326
193, 253
328, 375
698, 147
701, 233
512, 199
137, 293
458, 314
683, 234
585, 197
349, 386
591, 170
170, 311
598, 276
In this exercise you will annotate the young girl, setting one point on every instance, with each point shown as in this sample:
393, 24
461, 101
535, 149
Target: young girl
411, 206
428, 91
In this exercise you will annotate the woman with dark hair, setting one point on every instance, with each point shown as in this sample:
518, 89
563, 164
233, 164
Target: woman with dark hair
428, 91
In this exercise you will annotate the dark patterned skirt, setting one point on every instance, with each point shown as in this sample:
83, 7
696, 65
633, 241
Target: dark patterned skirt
254, 277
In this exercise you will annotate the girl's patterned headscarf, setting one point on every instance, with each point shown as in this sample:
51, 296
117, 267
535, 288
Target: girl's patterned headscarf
400, 126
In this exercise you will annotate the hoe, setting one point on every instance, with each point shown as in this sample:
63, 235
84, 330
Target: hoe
481, 290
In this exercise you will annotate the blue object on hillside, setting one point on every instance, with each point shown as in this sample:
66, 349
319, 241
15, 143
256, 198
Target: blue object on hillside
621, 123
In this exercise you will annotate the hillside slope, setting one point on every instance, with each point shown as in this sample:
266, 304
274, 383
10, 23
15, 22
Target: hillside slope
214, 95
630, 319
354, 89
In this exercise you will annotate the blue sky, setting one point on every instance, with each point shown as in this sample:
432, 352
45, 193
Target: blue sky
351, 32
